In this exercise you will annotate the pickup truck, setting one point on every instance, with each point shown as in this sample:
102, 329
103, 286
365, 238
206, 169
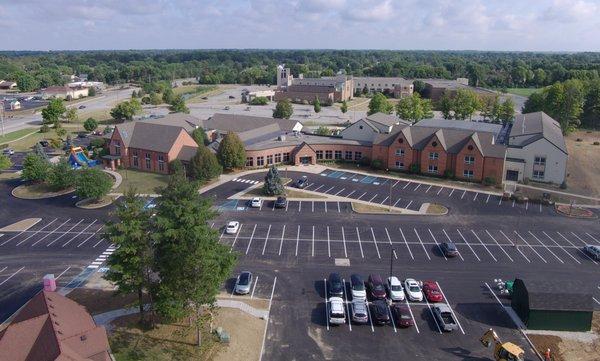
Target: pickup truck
444, 317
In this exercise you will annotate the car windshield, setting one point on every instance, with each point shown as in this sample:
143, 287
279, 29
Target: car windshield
405, 317
451, 246
358, 286
378, 287
414, 289
396, 288
244, 279
231, 225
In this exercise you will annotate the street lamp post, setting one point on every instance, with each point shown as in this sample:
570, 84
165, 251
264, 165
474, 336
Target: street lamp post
390, 197
391, 260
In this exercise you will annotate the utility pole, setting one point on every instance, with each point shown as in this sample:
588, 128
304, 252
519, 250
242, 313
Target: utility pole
391, 260
390, 197
2, 117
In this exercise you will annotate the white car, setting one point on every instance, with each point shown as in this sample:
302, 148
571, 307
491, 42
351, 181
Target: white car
337, 313
232, 227
413, 289
394, 289
256, 202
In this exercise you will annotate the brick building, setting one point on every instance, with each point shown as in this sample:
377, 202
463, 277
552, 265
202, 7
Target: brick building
327, 89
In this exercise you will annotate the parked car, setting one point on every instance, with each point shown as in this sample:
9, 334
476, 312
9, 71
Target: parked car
376, 287
360, 314
335, 286
337, 314
256, 202
379, 312
8, 151
302, 182
394, 289
232, 227
449, 249
226, 108
432, 292
413, 290
402, 316
82, 107
281, 202
231, 97
357, 287
444, 318
593, 251
243, 283
44, 143
204, 98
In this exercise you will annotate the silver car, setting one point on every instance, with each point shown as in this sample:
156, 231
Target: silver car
359, 311
444, 317
243, 283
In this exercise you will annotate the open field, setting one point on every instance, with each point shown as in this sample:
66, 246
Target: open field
583, 166
12, 136
525, 92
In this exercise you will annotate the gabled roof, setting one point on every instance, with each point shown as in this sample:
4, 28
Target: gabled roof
545, 295
386, 119
238, 123
531, 127
149, 135
460, 124
186, 121
53, 327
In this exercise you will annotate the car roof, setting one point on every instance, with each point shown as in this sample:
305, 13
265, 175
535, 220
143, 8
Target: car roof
394, 280
442, 307
336, 300
233, 222
356, 278
430, 284
375, 277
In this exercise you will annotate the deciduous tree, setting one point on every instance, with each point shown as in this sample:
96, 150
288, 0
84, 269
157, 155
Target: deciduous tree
231, 152
126, 110
90, 124
52, 113
178, 105
5, 162
199, 135
61, 175
344, 107
92, 183
205, 166
414, 108
283, 109
317, 105
35, 168
380, 104
465, 103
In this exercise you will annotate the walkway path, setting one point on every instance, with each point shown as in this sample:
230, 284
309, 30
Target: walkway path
116, 176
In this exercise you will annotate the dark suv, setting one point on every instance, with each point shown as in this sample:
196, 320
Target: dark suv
376, 287
302, 182
281, 202
335, 286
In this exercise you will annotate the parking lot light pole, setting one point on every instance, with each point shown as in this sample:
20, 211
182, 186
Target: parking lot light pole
391, 260
390, 197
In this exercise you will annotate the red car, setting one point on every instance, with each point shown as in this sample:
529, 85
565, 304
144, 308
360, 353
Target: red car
402, 316
432, 292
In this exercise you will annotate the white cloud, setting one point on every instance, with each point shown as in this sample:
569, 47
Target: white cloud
370, 11
568, 11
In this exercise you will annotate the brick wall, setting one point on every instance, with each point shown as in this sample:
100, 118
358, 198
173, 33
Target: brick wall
441, 162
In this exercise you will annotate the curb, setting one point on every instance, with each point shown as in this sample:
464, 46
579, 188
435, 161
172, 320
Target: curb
36, 198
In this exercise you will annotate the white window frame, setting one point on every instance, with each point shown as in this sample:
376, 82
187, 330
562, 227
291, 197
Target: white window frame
536, 174
434, 155
468, 173
399, 165
400, 152
469, 159
432, 169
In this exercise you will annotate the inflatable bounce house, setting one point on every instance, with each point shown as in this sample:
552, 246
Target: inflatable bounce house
78, 159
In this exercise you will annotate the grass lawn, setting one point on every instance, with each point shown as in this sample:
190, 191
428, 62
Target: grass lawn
525, 92
34, 136
9, 137
101, 115
143, 182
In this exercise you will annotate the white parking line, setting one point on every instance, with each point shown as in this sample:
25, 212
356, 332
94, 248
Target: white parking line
375, 242
340, 191
484, 246
299, 206
385, 199
536, 252
451, 310
540, 208
349, 194
281, 242
286, 206
452, 191
595, 300
319, 187
474, 198
297, 240
328, 244
347, 304
33, 234
463, 195
251, 237
408, 205
236, 237
440, 191
327, 191
44, 237
313, 241
518, 249
579, 238
325, 206
500, 201
62, 273
561, 247
254, 287
422, 245
417, 187
2, 270
97, 243
488, 198
338, 206
262, 348
494, 239
399, 199
78, 234
390, 239
592, 237
362, 195
62, 235
93, 234
369, 313
266, 239
513, 203
411, 314
395, 184
344, 239
312, 206
370, 200
11, 276
572, 244
359, 243
406, 185
428, 188
326, 304
437, 244
467, 243
405, 242
450, 240
549, 250
391, 317
432, 315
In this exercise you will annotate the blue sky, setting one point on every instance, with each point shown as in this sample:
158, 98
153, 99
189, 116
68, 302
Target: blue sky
529, 25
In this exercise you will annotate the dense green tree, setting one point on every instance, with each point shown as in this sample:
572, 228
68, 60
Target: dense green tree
414, 108
52, 113
283, 109
199, 135
205, 166
489, 104
35, 168
191, 262
380, 104
178, 105
591, 106
5, 162
259, 101
131, 264
231, 152
465, 103
445, 106
70, 116
507, 111
168, 96
344, 107
419, 87
535, 103
92, 183
92, 92
154, 99
61, 175
539, 76
273, 185
126, 110
317, 105
90, 124
26, 82
323, 130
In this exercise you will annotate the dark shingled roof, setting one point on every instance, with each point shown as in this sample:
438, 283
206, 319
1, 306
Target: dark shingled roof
556, 297
241, 123
324, 89
149, 135
530, 127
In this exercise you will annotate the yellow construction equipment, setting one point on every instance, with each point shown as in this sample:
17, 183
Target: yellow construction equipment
503, 351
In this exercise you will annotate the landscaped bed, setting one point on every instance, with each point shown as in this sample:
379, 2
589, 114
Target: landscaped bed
38, 191
368, 208
90, 203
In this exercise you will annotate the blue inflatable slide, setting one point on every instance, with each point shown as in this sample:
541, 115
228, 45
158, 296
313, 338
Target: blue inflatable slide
78, 159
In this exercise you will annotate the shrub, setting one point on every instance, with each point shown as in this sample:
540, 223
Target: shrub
205, 166
489, 181
61, 176
92, 183
35, 168
259, 101
377, 164
44, 128
414, 168
448, 173
90, 124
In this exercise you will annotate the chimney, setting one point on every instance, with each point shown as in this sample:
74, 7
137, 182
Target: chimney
49, 283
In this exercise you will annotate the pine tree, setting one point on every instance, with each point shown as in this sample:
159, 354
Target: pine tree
317, 105
273, 185
205, 166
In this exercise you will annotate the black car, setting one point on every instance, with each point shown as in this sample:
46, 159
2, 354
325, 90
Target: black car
335, 286
44, 143
376, 287
379, 312
281, 202
231, 97
449, 249
302, 182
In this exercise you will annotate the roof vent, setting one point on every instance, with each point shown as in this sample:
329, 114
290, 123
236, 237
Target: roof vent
83, 337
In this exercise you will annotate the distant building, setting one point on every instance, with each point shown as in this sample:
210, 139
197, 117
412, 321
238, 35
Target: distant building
536, 149
398, 87
87, 84
247, 95
63, 92
327, 89
8, 85
368, 128
52, 327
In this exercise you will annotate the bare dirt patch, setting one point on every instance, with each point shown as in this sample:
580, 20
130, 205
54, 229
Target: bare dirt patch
246, 334
583, 166
38, 191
